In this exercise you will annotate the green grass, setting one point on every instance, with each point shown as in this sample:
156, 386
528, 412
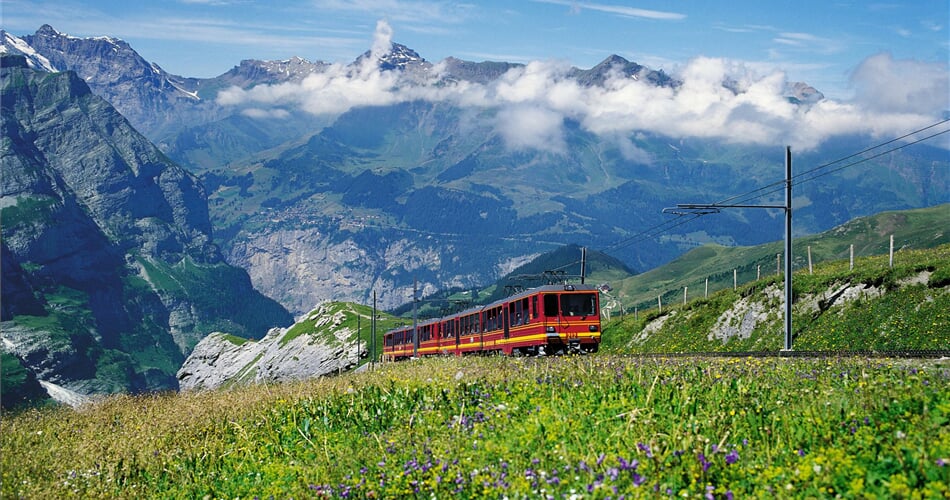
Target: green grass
907, 317
355, 319
912, 229
594, 426
35, 209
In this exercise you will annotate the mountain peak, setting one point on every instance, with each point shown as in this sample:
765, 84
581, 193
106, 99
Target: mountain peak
47, 30
613, 64
10, 44
399, 57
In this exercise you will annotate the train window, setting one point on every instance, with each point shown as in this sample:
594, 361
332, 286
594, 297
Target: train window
534, 306
578, 304
550, 304
524, 309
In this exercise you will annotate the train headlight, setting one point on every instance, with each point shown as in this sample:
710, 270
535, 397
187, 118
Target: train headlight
550, 329
592, 328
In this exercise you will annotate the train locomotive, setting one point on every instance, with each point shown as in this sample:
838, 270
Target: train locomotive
550, 319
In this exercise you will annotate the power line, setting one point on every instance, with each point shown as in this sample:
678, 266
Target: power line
775, 187
807, 176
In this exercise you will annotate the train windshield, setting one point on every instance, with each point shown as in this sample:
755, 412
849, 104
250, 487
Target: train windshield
578, 304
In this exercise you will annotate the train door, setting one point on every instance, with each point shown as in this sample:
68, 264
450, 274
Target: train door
507, 321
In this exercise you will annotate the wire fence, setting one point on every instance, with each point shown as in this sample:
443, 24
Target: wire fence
739, 276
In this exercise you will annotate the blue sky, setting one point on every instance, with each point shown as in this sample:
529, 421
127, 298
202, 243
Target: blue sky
821, 42
883, 67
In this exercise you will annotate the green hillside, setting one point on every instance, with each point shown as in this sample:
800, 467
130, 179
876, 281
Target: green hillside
872, 307
924, 228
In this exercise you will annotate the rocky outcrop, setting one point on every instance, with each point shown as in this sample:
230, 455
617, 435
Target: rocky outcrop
322, 343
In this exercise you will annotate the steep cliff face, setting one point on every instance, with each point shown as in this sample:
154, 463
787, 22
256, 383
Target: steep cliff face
300, 268
109, 273
152, 99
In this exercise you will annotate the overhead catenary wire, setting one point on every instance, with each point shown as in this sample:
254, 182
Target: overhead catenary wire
811, 174
778, 186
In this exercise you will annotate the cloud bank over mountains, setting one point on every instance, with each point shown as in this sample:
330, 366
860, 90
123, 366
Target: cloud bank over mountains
718, 99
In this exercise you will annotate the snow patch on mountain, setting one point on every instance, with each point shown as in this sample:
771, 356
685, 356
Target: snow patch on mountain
16, 45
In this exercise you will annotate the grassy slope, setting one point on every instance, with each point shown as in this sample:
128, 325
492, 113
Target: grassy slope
893, 312
593, 426
924, 228
356, 318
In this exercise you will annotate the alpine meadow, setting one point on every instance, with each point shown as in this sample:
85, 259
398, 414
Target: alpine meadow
514, 250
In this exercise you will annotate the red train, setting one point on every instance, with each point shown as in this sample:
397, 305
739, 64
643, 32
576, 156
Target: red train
547, 320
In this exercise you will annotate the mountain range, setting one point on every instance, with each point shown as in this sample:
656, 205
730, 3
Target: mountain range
110, 276
320, 199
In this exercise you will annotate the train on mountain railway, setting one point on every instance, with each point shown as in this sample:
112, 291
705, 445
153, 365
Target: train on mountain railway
550, 319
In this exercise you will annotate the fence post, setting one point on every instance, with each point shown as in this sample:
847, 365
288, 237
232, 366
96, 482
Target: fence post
735, 279
809, 261
851, 266
659, 303
685, 288
758, 272
706, 293
778, 263
892, 252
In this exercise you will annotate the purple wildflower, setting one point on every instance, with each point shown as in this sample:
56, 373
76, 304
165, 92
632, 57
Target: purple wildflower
613, 473
705, 463
732, 457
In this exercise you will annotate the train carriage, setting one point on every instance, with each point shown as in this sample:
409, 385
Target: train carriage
547, 320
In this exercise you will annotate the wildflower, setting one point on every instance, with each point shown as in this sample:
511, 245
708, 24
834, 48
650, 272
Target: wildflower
613, 473
732, 457
705, 463
943, 462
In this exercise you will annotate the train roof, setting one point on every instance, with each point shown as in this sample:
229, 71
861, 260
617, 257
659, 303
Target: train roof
526, 293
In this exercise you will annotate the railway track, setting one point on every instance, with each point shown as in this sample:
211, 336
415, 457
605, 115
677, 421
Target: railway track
901, 353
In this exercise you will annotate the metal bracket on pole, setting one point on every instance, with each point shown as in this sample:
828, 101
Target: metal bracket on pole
715, 208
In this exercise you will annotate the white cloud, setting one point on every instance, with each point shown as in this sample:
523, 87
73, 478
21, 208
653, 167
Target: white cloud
620, 10
529, 105
886, 85
526, 126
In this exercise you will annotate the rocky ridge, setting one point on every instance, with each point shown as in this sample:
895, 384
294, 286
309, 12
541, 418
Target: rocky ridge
323, 342
109, 272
